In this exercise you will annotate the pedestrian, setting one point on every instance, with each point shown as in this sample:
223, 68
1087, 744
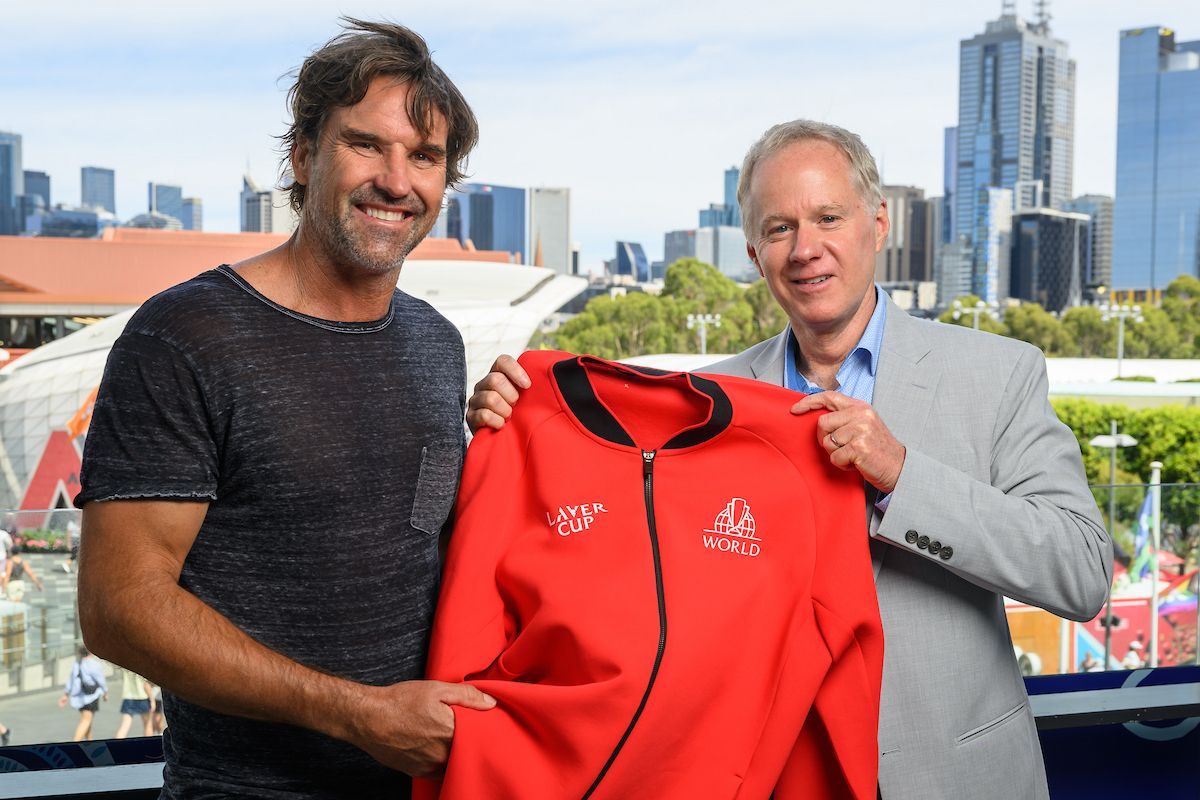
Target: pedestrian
1134, 658
5, 735
85, 689
294, 421
137, 697
15, 571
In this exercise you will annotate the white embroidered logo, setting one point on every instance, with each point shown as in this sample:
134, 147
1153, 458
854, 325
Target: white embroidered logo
575, 519
733, 530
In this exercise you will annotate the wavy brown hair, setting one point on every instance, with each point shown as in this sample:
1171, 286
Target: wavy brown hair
339, 73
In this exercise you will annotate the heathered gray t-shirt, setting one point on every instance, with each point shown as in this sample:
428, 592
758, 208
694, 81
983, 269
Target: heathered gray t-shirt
329, 453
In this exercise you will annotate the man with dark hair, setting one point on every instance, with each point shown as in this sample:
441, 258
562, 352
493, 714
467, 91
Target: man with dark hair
274, 451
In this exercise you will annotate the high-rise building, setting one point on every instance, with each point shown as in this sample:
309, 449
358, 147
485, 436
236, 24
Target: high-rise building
724, 246
679, 244
76, 223
492, 217
1156, 213
165, 198
12, 183
949, 183
1100, 208
98, 188
193, 214
907, 253
1050, 254
955, 267
631, 260
1016, 121
265, 210
550, 228
991, 238
727, 212
38, 183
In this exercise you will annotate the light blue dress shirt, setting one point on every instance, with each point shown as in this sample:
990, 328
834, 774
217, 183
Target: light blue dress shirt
856, 375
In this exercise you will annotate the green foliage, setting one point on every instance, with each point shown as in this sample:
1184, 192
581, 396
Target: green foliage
1031, 323
986, 321
1138, 378
1090, 333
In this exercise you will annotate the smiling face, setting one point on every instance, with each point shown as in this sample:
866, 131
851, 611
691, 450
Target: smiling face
813, 239
373, 183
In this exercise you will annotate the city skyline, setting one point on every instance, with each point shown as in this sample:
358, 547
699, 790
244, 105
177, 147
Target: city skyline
639, 119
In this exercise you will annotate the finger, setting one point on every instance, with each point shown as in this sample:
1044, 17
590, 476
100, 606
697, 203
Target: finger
467, 696
509, 366
494, 384
484, 418
491, 401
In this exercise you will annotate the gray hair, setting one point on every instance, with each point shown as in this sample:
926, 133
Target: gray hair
863, 171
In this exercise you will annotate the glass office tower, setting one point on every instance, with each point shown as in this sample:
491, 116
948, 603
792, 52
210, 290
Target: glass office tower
1156, 214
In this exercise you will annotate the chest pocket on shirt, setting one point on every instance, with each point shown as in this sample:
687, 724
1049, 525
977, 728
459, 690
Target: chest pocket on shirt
436, 487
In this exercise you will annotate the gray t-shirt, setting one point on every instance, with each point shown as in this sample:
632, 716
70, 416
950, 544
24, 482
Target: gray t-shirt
329, 453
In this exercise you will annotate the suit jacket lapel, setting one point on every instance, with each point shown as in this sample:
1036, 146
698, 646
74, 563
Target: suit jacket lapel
904, 389
768, 364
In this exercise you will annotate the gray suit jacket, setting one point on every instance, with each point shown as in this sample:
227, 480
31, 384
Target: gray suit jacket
996, 480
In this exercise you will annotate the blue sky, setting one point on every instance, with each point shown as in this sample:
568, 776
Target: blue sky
637, 109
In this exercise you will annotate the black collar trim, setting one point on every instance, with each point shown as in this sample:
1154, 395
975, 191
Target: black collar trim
572, 378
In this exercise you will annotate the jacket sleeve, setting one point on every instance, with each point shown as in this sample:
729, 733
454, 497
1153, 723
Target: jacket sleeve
837, 754
1031, 532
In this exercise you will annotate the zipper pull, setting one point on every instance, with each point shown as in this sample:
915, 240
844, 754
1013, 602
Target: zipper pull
647, 462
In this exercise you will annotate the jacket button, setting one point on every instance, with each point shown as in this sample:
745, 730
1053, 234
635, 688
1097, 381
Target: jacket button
923, 542
911, 537
946, 553
934, 547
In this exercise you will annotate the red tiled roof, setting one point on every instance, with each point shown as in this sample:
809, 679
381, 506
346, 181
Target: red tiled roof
128, 265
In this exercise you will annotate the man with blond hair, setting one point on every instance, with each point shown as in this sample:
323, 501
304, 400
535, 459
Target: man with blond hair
976, 491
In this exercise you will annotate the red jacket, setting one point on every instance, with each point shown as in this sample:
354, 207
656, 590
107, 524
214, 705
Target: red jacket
667, 588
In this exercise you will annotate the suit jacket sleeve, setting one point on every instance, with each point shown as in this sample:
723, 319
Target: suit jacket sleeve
1032, 532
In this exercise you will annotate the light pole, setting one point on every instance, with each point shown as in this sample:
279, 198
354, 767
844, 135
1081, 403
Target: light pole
1111, 441
702, 321
1119, 313
975, 311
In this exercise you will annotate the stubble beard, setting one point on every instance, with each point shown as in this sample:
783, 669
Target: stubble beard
350, 249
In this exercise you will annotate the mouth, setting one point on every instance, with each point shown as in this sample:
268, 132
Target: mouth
386, 215
812, 281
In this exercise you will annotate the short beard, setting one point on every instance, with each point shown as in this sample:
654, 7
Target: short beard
346, 250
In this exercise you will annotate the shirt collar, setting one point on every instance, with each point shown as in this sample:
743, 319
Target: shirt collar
869, 344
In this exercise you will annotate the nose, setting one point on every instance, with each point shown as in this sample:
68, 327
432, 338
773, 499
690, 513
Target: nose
807, 244
393, 177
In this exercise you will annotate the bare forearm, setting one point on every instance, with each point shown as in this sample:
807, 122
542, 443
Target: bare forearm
194, 652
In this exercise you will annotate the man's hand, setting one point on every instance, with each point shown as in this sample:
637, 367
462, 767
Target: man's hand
856, 438
408, 726
495, 394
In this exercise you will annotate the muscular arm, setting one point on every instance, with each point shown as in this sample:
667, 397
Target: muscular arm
130, 563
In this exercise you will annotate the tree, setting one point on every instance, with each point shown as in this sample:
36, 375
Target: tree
767, 318
618, 327
1091, 334
1031, 323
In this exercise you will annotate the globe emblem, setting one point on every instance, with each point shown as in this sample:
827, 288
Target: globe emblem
735, 520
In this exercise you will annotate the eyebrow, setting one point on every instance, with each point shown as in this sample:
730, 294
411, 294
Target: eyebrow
355, 134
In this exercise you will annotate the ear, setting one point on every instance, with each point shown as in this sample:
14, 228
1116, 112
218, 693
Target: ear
754, 258
300, 158
883, 224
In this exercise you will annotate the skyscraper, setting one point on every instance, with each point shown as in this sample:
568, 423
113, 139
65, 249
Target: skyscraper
1100, 208
727, 212
631, 260
193, 214
678, 244
1156, 214
98, 188
1050, 251
165, 198
1016, 121
991, 240
907, 253
550, 228
492, 217
12, 183
724, 246
265, 210
38, 183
